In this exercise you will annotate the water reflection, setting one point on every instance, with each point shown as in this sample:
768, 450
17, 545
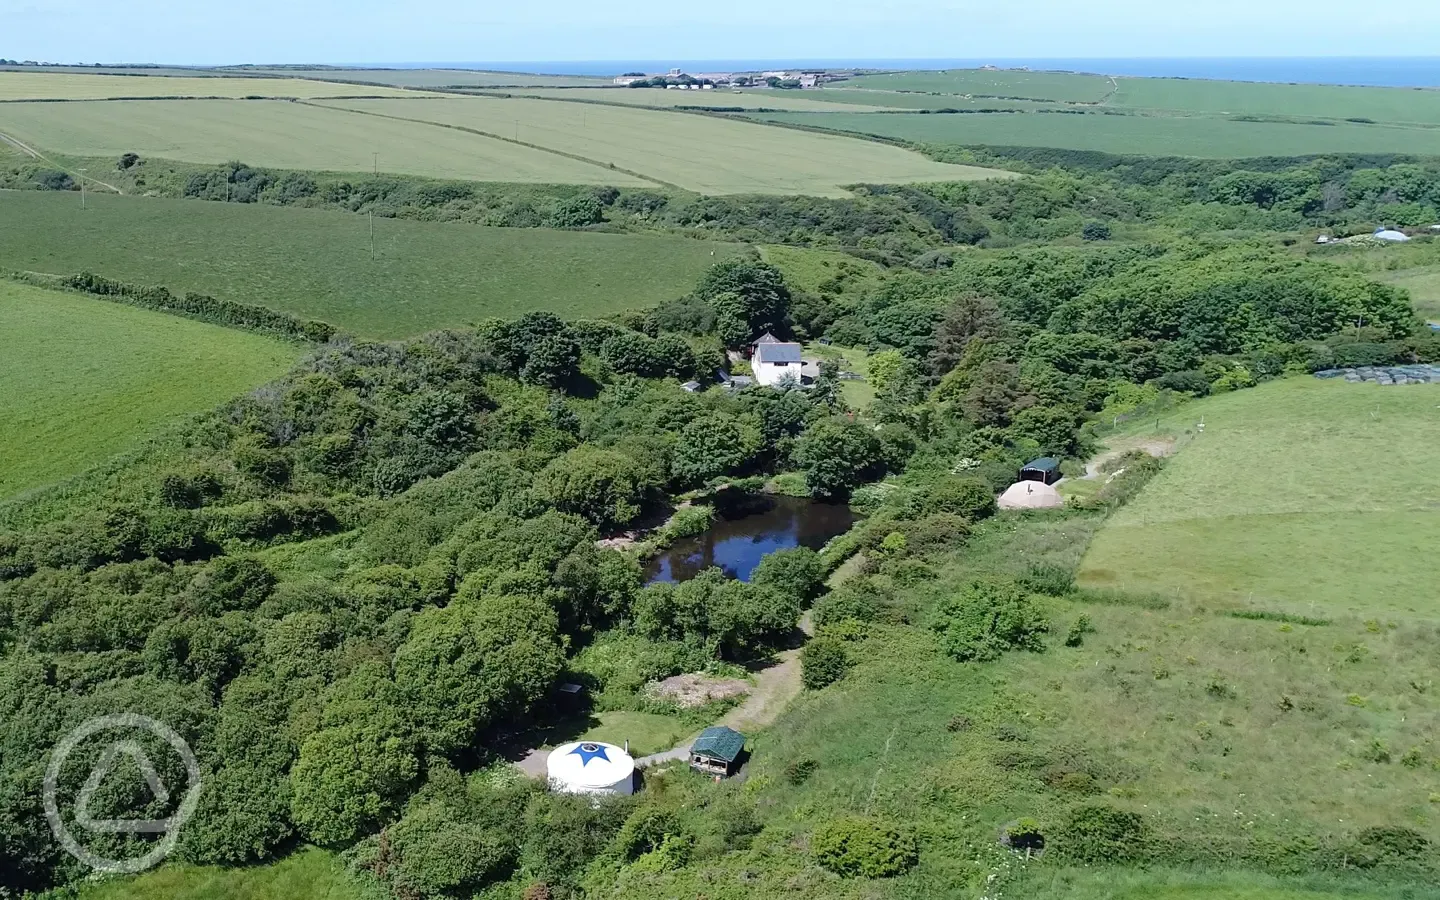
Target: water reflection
747, 530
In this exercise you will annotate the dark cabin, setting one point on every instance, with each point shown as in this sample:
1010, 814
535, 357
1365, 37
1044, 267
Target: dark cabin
716, 751
1045, 470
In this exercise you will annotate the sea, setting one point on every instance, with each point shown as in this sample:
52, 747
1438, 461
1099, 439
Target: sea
1389, 71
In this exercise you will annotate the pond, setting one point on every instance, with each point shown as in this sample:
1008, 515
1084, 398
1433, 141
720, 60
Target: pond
744, 532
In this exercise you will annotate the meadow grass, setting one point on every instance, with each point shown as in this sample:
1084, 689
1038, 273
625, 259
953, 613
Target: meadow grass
1059, 86
706, 154
647, 732
84, 379
1163, 135
1203, 884
1424, 288
429, 78
287, 135
836, 98
750, 99
65, 86
310, 874
1380, 104
316, 263
1301, 496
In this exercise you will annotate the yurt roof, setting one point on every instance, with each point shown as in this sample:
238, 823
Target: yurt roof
589, 764
1031, 495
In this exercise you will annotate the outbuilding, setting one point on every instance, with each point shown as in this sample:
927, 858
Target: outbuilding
1046, 470
1030, 495
717, 751
1391, 235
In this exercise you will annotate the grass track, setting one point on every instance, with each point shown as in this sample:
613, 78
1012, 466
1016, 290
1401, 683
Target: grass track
1147, 135
1303, 496
63, 86
701, 153
316, 263
288, 136
82, 379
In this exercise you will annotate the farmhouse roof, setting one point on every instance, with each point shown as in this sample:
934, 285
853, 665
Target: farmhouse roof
777, 353
1046, 464
719, 742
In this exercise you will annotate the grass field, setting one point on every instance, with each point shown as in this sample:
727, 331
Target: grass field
431, 78
307, 875
1147, 135
1058, 86
317, 263
287, 135
1161, 884
1301, 496
700, 153
755, 99
1393, 105
81, 380
1424, 287
62, 86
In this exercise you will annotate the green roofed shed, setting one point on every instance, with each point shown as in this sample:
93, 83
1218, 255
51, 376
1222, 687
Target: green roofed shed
1046, 469
717, 750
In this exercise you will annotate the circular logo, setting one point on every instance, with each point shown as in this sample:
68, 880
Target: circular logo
168, 827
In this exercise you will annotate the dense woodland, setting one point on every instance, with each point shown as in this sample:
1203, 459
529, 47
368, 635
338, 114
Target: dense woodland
352, 587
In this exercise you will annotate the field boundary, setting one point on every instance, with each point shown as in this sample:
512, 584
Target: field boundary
609, 167
36, 154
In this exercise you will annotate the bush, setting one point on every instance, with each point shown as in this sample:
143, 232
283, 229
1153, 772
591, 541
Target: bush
853, 847
1076, 635
1100, 834
799, 771
1095, 231
1049, 579
54, 180
823, 662
1025, 835
968, 497
796, 572
988, 618
1388, 844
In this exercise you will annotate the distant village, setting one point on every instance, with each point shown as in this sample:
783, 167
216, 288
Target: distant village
679, 80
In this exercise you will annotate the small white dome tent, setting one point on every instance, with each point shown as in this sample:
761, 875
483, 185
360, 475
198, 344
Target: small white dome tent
1031, 495
590, 767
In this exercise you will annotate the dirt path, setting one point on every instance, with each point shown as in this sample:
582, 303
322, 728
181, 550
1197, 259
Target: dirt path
1155, 446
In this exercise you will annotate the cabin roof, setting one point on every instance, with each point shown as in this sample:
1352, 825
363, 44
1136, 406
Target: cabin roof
719, 742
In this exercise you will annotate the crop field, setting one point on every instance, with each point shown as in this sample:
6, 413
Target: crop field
288, 136
699, 153
58, 86
431, 78
81, 380
1148, 135
1303, 496
1059, 86
753, 99
1390, 105
316, 263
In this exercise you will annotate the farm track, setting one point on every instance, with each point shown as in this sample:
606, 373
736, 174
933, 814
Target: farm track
500, 137
36, 154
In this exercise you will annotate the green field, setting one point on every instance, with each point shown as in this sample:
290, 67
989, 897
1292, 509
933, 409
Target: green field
1302, 496
1424, 288
64, 86
1161, 884
1059, 86
288, 136
699, 153
1135, 134
317, 264
308, 875
82, 380
1393, 105
429, 78
807, 101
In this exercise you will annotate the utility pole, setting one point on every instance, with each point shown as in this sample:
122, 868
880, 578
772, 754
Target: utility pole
82, 188
372, 236
375, 162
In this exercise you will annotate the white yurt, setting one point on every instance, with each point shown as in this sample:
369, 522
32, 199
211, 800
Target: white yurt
590, 767
1030, 495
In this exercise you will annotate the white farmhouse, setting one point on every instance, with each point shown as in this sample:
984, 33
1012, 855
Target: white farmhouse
774, 361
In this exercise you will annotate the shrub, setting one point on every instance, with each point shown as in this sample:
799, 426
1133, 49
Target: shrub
852, 847
1049, 579
1095, 231
824, 661
1076, 635
1025, 835
968, 497
1388, 844
986, 619
796, 572
1100, 834
54, 180
858, 599
799, 771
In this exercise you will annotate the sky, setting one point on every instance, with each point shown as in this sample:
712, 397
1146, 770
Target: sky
394, 31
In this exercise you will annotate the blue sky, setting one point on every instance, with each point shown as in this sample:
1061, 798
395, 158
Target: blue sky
340, 31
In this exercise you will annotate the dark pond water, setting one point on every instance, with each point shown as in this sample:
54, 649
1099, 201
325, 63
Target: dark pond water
744, 532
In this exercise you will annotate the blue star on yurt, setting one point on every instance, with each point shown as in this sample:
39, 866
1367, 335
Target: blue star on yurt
590, 767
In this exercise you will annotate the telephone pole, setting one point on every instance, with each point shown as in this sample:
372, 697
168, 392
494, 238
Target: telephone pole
372, 236
375, 162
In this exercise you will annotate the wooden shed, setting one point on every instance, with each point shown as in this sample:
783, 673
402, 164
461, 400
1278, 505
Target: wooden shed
1045, 470
717, 750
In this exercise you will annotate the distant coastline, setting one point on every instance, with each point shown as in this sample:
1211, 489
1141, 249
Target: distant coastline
1358, 71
